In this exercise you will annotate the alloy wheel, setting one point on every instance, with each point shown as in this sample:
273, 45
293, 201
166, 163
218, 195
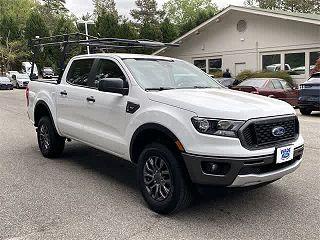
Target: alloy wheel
44, 137
157, 178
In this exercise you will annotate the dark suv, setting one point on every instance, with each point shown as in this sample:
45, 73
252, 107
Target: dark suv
309, 95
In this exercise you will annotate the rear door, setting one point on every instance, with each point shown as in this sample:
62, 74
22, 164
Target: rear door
105, 115
70, 99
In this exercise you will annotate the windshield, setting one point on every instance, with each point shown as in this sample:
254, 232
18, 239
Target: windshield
253, 83
161, 75
23, 76
4, 79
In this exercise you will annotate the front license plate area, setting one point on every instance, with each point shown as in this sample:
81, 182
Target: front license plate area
285, 154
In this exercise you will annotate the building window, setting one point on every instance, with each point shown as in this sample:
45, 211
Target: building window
215, 65
314, 56
271, 62
242, 26
295, 62
202, 64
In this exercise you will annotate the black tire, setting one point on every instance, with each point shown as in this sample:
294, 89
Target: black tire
50, 143
305, 111
179, 195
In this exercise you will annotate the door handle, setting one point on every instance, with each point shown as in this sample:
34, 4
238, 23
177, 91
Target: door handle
64, 93
91, 99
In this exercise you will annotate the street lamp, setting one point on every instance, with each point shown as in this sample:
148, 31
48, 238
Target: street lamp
86, 23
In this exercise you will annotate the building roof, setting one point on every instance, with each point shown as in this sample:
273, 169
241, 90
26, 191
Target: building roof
300, 17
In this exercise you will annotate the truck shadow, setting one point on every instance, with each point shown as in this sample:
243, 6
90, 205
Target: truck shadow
107, 165
124, 173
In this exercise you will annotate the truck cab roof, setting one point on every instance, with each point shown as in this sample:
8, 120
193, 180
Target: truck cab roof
124, 56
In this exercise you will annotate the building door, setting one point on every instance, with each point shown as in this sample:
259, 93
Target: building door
239, 67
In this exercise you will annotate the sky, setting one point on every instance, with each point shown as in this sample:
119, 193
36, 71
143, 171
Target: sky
81, 7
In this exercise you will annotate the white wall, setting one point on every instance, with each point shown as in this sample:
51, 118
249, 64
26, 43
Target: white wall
263, 35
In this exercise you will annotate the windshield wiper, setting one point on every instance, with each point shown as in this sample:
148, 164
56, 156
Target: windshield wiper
159, 89
201, 87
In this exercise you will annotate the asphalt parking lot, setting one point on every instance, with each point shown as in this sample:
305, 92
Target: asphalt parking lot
87, 194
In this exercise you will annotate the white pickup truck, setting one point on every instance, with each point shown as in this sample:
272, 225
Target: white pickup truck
180, 127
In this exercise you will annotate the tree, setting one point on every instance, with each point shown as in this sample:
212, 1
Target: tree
306, 6
146, 12
101, 6
147, 16
56, 6
13, 52
35, 26
107, 24
127, 29
169, 30
182, 12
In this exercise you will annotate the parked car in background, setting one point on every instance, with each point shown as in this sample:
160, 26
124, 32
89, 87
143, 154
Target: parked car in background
47, 72
309, 95
5, 83
227, 82
21, 80
270, 87
277, 67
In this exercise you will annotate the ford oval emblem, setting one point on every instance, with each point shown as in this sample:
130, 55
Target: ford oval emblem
278, 131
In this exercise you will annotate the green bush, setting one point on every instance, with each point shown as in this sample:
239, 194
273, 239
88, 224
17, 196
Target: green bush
264, 74
216, 74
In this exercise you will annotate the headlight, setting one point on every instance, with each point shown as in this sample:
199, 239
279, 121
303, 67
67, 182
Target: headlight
227, 128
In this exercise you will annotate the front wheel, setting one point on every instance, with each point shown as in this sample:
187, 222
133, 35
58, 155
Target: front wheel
162, 180
305, 111
50, 143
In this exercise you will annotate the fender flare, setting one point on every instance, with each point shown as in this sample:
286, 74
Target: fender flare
41, 102
151, 126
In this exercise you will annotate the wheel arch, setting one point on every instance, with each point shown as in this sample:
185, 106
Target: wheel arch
149, 132
42, 109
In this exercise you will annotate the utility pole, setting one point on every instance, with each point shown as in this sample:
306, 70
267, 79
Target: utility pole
86, 23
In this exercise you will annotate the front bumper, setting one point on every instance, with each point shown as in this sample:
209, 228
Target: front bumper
6, 86
240, 172
312, 105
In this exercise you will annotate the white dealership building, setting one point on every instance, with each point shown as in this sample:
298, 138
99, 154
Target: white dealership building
241, 38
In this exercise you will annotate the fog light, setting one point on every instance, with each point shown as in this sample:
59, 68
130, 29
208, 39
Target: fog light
215, 168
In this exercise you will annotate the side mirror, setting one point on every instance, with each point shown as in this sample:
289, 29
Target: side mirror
113, 85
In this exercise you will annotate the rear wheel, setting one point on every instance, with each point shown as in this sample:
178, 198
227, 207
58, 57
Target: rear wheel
305, 111
50, 143
162, 180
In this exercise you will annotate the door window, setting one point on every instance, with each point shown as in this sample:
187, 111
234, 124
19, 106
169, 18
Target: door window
285, 85
108, 69
277, 84
79, 72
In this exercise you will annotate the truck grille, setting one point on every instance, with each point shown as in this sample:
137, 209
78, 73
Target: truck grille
258, 133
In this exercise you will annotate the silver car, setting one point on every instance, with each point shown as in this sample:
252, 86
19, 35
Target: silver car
21, 80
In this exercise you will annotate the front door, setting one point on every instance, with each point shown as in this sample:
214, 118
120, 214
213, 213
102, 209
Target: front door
70, 99
105, 116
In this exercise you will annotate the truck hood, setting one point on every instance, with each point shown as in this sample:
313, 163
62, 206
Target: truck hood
222, 103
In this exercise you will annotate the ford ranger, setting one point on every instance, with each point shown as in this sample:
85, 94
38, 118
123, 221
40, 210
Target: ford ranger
179, 126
